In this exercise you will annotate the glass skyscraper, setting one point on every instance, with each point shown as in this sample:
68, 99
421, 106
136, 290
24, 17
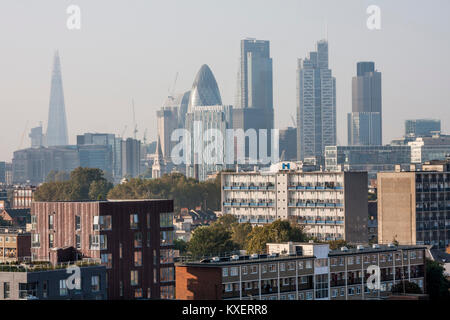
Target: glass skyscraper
57, 122
365, 121
316, 104
422, 127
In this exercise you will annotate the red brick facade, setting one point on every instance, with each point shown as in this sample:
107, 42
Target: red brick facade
196, 283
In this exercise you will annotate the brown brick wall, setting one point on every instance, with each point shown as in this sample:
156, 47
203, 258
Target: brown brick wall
196, 283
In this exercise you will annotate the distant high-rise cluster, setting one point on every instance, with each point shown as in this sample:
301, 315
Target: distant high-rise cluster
316, 104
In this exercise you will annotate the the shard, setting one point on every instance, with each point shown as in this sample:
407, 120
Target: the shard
57, 122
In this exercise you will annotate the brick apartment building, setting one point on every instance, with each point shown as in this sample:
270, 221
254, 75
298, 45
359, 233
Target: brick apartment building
14, 245
293, 271
133, 239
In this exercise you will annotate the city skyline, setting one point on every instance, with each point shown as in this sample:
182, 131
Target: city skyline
100, 80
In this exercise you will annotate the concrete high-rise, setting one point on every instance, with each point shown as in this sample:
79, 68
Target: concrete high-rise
365, 121
57, 121
254, 105
316, 104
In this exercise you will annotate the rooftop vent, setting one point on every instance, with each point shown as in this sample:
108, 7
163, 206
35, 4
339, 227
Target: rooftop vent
254, 256
215, 259
235, 257
376, 246
272, 255
344, 249
391, 245
360, 247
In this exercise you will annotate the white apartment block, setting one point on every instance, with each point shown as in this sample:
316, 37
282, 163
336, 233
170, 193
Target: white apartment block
330, 205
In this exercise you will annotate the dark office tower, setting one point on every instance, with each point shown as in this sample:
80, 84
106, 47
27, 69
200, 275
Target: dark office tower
2, 172
254, 105
316, 104
365, 121
57, 122
131, 157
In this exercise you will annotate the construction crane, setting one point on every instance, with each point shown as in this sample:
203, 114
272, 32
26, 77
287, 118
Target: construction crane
23, 136
172, 91
135, 130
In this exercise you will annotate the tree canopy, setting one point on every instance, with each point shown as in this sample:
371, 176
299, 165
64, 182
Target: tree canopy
437, 286
186, 192
83, 184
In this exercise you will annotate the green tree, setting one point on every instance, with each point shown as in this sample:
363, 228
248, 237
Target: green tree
210, 241
276, 232
84, 184
240, 233
437, 286
337, 244
180, 245
406, 287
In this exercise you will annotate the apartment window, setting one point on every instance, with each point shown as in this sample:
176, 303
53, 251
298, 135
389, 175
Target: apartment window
94, 242
103, 242
374, 258
106, 259
77, 223
234, 271
390, 257
272, 267
95, 283
78, 241
358, 290
282, 267
166, 238
96, 223
254, 269
51, 238
138, 258
134, 277
121, 288
341, 261
264, 268
300, 265
412, 254
224, 272
148, 220
308, 264
166, 256
350, 261
120, 250
342, 292
244, 270
304, 279
149, 240
405, 256
138, 239
291, 266
358, 260
351, 291
301, 296
419, 254
366, 259
334, 293
6, 290
35, 243
228, 287
138, 293
309, 295
167, 274
134, 221
397, 257
51, 218
105, 222
165, 220
63, 288
45, 289
333, 261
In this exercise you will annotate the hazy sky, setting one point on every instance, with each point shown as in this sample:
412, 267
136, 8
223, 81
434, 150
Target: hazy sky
133, 49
